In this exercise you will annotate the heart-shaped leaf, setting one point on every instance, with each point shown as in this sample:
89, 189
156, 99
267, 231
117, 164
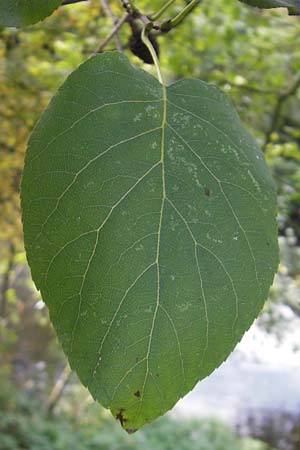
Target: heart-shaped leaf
149, 224
18, 13
293, 6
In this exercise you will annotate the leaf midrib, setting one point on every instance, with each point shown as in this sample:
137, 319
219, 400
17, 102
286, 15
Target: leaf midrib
162, 162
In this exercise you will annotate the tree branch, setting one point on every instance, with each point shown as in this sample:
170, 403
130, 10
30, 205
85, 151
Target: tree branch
114, 21
112, 33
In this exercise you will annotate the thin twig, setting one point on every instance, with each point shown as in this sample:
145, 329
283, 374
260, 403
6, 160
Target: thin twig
58, 389
114, 20
112, 33
6, 280
128, 6
281, 99
248, 87
108, 11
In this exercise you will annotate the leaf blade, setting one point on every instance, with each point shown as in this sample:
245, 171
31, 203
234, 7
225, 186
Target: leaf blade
24, 12
293, 6
145, 260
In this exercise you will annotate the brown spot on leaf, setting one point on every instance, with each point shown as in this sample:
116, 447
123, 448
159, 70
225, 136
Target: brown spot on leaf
207, 192
121, 417
137, 394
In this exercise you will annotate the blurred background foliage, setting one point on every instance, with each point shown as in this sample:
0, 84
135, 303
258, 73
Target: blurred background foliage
254, 56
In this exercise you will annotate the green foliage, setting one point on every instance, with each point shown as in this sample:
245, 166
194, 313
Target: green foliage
25, 12
26, 425
149, 221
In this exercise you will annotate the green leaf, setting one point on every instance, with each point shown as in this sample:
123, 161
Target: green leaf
18, 13
293, 6
149, 224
